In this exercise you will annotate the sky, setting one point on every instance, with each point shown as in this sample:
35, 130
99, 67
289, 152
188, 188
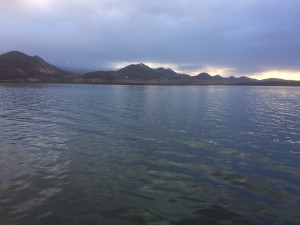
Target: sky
255, 38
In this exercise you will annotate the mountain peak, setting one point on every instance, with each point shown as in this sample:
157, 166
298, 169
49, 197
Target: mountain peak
165, 69
17, 66
142, 65
17, 56
204, 76
14, 54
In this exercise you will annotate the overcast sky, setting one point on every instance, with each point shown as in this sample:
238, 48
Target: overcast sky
258, 38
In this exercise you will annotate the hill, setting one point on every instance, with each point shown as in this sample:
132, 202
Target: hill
134, 74
19, 67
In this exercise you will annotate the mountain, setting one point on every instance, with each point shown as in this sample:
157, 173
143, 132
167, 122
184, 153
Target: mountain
171, 74
240, 79
131, 74
202, 76
217, 79
139, 72
19, 67
134, 74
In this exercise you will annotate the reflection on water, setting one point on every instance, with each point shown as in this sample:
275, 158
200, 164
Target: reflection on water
88, 154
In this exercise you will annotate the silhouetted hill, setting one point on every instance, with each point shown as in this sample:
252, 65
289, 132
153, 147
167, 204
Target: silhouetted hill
171, 74
203, 76
218, 77
19, 67
206, 76
241, 79
139, 72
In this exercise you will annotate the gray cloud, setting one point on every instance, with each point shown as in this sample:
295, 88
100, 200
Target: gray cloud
248, 36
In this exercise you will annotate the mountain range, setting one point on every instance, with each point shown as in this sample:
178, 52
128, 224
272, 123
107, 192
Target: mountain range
18, 67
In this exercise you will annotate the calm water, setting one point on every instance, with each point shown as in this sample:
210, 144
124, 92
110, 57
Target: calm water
113, 155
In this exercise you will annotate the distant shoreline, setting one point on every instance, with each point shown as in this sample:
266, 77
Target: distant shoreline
17, 67
293, 84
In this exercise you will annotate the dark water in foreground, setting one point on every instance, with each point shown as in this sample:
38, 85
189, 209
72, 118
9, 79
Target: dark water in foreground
112, 155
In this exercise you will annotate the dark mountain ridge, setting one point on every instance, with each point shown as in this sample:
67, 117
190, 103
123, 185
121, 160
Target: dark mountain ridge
19, 67
171, 73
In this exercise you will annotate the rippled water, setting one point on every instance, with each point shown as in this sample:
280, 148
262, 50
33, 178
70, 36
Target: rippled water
112, 155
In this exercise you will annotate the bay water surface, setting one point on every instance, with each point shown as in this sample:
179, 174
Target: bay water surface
168, 155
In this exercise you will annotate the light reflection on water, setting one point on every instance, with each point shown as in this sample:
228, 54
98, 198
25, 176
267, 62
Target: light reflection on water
85, 154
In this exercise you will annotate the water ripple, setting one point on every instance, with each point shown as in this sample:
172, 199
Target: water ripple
78, 154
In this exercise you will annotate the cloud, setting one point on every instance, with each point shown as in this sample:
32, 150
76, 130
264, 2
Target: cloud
234, 36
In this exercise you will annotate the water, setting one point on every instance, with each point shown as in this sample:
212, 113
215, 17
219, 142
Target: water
115, 155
